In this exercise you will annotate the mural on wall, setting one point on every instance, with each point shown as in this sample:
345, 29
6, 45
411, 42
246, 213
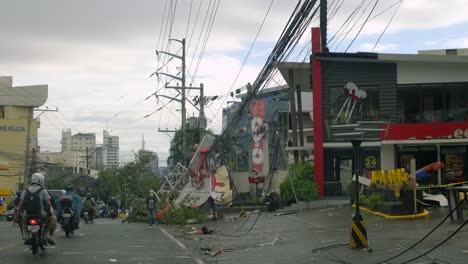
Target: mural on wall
353, 96
258, 130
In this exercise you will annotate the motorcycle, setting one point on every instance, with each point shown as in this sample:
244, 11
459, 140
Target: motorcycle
10, 215
88, 216
68, 224
36, 234
113, 212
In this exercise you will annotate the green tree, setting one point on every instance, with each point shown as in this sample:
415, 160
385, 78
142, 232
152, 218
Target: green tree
133, 180
193, 136
301, 176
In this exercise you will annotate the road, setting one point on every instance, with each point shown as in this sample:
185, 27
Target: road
106, 241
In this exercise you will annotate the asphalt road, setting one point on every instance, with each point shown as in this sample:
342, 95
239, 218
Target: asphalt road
106, 241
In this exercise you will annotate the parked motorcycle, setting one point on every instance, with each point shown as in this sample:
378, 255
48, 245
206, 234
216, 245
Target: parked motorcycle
10, 215
113, 212
36, 230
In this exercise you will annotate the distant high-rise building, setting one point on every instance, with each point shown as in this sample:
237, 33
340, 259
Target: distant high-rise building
101, 157
111, 143
78, 142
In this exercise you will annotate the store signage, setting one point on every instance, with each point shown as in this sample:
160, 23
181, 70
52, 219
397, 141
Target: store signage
426, 131
12, 128
258, 131
460, 133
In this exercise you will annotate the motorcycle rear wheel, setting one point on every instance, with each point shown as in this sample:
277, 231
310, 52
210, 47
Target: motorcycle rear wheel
34, 244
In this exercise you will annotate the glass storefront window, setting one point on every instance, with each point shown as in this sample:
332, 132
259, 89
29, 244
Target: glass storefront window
454, 159
456, 98
430, 103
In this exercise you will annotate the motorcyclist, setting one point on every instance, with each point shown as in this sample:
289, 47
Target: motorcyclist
88, 206
46, 212
113, 207
113, 203
76, 205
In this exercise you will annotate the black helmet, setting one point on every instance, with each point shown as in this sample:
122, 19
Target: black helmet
69, 187
88, 195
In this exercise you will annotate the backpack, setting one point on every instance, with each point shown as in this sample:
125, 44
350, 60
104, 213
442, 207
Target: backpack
33, 203
88, 203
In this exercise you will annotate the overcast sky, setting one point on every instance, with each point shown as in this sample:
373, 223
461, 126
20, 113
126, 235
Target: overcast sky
96, 56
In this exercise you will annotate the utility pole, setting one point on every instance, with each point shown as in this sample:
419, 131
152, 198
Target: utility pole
323, 24
201, 117
293, 115
87, 161
27, 168
300, 121
28, 143
182, 91
184, 110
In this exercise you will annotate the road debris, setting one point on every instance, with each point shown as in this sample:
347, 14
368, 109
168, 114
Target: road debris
285, 213
272, 243
212, 252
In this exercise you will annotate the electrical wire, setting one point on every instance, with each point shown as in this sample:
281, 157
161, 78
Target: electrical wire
365, 22
188, 19
200, 37
428, 234
354, 24
386, 27
207, 36
295, 26
247, 55
438, 245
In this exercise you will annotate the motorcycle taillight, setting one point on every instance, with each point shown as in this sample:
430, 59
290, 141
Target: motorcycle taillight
33, 221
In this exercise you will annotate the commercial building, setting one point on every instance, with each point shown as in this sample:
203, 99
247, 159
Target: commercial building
254, 135
402, 106
111, 143
78, 142
18, 130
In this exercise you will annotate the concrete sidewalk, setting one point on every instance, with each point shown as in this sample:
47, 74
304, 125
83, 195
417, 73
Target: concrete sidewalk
296, 236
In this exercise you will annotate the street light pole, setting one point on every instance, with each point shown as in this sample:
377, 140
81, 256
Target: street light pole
358, 233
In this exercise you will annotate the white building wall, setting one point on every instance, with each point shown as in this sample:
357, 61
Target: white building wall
66, 140
112, 145
427, 72
387, 157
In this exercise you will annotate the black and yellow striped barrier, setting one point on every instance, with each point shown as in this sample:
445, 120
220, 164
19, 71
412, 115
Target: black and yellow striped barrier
243, 214
358, 235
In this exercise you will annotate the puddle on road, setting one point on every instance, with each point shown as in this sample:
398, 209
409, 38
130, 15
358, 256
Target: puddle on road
112, 260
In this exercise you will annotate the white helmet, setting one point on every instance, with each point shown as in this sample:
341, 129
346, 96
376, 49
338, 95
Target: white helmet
38, 178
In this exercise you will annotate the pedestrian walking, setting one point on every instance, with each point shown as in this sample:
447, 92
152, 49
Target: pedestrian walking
151, 209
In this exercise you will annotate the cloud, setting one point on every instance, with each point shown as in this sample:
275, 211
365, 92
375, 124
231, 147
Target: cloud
96, 56
367, 47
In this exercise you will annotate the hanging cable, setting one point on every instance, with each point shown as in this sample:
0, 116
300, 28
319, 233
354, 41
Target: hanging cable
386, 27
365, 22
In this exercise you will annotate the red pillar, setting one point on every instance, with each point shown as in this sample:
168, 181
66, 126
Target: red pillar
317, 108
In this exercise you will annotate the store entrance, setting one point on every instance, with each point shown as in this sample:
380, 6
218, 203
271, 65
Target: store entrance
338, 171
424, 156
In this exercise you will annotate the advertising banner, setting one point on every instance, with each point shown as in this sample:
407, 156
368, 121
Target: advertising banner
258, 130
